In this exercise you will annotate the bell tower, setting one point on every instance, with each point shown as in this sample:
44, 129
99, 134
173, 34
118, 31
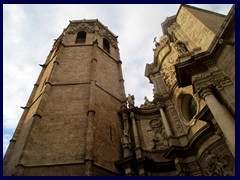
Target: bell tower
70, 124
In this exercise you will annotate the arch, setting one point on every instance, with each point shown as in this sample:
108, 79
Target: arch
106, 45
81, 37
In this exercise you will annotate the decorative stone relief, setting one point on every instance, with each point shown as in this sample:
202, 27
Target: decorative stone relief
168, 71
75, 28
103, 32
163, 40
91, 28
159, 139
173, 117
181, 42
173, 27
218, 165
184, 171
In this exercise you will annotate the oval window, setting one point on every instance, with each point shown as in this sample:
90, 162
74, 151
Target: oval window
189, 107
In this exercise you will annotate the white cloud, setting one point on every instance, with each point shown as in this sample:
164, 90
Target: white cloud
29, 30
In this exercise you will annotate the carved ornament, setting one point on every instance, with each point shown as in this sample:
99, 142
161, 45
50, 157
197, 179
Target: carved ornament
91, 28
105, 33
218, 165
159, 139
168, 71
75, 28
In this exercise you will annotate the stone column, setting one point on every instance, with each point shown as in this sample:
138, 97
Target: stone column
165, 122
135, 136
224, 119
137, 144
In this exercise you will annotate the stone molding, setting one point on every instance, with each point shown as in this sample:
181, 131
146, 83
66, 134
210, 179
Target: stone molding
204, 81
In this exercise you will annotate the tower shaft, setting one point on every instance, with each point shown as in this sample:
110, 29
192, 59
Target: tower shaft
70, 125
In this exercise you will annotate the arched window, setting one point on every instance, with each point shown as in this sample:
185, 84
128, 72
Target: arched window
188, 106
106, 45
81, 37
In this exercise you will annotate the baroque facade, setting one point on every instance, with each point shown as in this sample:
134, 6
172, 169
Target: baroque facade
78, 120
189, 127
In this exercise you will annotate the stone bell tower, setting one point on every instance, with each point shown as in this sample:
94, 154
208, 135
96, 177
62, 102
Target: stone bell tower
70, 124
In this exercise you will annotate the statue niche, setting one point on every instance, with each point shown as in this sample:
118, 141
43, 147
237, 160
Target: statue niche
181, 47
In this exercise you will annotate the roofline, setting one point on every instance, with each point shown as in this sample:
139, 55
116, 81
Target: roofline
197, 8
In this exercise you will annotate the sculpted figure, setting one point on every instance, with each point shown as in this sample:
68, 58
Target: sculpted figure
125, 140
130, 100
147, 102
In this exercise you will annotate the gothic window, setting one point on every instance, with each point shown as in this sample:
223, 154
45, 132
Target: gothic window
106, 45
81, 37
188, 106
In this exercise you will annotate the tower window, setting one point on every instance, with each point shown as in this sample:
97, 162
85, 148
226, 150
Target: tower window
81, 37
106, 45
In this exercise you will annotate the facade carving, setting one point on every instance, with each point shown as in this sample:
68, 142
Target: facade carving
83, 26
218, 165
159, 138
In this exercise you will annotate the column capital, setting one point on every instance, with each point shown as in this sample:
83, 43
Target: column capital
160, 105
202, 81
132, 115
204, 91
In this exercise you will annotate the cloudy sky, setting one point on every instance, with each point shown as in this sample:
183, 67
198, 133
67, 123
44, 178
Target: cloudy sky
29, 32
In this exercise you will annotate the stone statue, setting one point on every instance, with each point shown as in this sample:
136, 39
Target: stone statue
181, 47
147, 102
130, 100
158, 139
125, 140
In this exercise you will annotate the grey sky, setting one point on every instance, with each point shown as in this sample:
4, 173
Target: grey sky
29, 32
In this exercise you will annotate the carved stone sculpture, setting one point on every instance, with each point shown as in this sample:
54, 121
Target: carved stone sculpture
218, 165
130, 100
159, 135
125, 140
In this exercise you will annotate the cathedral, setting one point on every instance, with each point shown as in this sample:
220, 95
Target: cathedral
78, 121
